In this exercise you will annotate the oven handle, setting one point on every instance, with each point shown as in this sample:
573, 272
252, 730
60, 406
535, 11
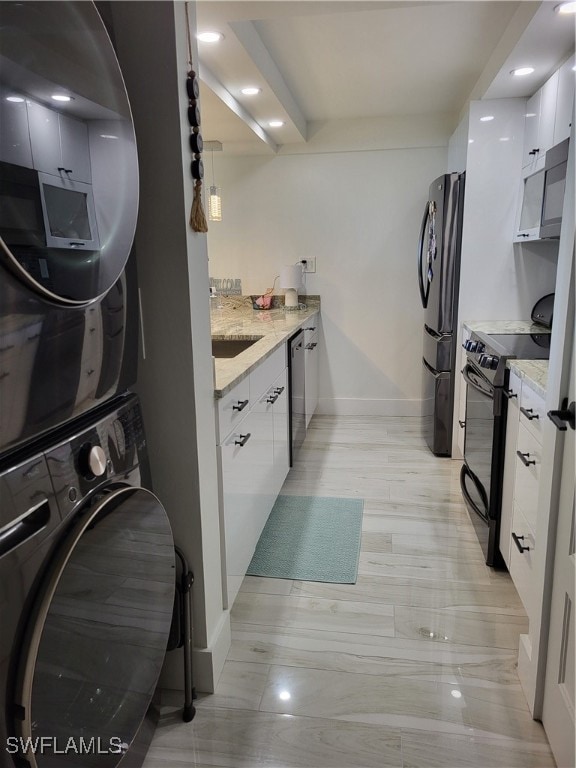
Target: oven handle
466, 472
474, 385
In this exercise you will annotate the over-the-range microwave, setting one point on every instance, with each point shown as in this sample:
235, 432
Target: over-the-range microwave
542, 197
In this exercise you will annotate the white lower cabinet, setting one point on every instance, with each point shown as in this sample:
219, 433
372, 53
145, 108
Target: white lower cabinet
253, 460
311, 368
520, 489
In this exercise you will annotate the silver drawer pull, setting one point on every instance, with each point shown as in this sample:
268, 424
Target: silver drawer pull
518, 541
524, 458
243, 440
529, 413
240, 405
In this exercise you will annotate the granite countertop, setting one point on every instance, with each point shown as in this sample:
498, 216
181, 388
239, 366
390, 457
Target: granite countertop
235, 319
534, 373
504, 326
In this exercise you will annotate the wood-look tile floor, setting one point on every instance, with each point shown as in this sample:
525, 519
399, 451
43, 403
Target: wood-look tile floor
413, 666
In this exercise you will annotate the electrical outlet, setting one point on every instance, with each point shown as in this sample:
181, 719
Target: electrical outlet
310, 265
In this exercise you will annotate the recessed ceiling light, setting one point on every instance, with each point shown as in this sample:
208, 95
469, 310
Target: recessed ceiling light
566, 8
15, 99
276, 123
250, 91
61, 97
521, 71
210, 37
486, 118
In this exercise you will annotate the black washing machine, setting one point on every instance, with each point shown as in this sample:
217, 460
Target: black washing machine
86, 597
68, 210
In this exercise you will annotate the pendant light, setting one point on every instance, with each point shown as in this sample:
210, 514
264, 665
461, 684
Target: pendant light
214, 193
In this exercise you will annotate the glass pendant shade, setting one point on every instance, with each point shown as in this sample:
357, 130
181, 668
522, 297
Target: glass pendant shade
215, 204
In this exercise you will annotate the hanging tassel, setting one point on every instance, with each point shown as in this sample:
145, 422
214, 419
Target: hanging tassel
197, 215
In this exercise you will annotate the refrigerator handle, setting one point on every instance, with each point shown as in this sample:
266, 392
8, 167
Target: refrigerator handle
423, 291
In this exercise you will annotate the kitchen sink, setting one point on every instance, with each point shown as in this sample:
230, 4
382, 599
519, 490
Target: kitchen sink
231, 347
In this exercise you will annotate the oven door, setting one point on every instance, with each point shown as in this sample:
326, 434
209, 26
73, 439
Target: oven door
475, 478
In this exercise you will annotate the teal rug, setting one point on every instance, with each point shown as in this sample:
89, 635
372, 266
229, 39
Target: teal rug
310, 538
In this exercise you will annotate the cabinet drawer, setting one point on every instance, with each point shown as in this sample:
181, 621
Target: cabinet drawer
521, 563
528, 464
233, 407
262, 377
532, 411
310, 328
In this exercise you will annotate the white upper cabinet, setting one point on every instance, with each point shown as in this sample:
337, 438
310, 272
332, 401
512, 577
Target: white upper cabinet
59, 143
14, 139
564, 101
539, 131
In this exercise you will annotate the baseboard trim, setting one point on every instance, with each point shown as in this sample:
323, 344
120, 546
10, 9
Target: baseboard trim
351, 406
207, 663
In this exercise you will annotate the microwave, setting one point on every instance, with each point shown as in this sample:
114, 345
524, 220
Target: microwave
542, 198
46, 211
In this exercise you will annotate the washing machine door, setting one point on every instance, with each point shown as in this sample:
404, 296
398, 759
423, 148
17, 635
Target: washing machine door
68, 159
97, 637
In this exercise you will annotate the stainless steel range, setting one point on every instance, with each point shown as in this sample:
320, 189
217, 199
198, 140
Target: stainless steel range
486, 377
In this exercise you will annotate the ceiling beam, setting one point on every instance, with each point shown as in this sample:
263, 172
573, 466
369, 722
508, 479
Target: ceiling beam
212, 82
248, 36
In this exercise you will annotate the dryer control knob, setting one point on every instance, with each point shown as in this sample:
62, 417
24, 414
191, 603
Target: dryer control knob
94, 461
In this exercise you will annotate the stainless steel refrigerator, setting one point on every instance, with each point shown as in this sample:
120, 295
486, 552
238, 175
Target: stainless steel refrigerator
438, 280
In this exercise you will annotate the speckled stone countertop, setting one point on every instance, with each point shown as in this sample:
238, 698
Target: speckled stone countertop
504, 326
534, 373
234, 318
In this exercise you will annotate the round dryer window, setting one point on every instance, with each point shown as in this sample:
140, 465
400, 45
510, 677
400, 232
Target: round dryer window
97, 637
68, 161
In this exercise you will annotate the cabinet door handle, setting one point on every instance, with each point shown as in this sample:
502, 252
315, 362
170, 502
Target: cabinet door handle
240, 405
510, 394
523, 234
310, 329
279, 390
462, 423
534, 151
565, 416
243, 439
272, 399
518, 541
524, 458
529, 413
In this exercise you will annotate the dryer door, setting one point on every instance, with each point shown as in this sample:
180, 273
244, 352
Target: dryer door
96, 641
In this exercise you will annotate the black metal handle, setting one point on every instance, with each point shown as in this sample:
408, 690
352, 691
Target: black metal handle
524, 458
279, 390
565, 416
423, 293
240, 406
509, 394
529, 413
462, 423
310, 329
272, 399
75, 243
311, 345
518, 541
523, 234
243, 440
534, 151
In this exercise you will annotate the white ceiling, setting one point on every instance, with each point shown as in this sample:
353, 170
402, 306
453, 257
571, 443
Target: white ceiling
330, 61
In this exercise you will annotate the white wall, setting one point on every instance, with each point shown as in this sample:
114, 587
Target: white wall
175, 379
358, 213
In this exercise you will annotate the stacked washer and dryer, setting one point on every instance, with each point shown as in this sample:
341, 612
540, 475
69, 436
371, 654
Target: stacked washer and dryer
86, 551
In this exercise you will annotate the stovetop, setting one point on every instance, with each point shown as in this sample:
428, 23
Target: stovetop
491, 351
